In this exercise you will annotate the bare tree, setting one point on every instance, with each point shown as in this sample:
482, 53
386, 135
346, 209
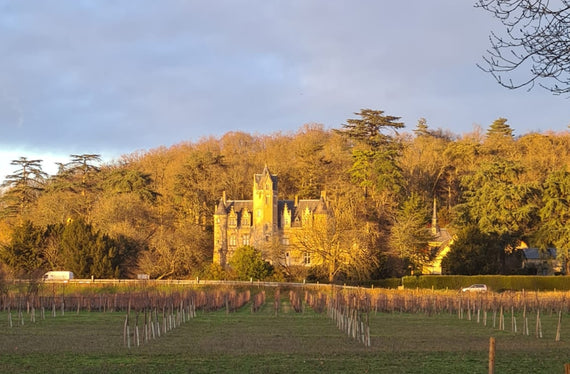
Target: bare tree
537, 40
339, 242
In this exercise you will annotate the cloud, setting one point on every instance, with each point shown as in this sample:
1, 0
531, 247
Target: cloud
114, 77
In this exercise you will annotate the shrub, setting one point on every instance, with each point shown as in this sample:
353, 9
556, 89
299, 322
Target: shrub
247, 263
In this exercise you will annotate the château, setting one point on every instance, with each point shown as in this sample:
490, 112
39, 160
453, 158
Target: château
265, 223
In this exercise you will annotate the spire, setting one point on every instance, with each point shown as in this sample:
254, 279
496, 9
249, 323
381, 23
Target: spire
322, 205
434, 226
221, 211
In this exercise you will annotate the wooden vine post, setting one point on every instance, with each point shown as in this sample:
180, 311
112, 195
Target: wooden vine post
557, 338
491, 355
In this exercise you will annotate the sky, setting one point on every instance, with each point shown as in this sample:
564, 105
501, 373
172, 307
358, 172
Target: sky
114, 77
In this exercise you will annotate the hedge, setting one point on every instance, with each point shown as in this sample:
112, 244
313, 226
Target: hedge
496, 283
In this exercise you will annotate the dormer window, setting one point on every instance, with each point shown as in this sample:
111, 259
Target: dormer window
232, 218
245, 219
306, 217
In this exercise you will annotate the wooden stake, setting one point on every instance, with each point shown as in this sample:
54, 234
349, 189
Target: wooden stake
126, 331
501, 319
557, 339
538, 324
491, 355
513, 323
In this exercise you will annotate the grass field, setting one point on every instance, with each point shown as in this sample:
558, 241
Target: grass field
246, 342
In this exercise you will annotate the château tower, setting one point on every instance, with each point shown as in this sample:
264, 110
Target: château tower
265, 205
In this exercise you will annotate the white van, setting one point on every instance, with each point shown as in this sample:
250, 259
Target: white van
58, 276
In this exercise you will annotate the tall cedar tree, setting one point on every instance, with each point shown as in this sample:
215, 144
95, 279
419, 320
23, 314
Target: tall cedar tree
23, 187
374, 152
554, 228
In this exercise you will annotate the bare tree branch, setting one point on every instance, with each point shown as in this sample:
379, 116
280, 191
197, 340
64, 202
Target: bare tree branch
536, 43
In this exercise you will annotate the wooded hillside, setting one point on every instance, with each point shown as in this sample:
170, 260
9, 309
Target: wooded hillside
152, 212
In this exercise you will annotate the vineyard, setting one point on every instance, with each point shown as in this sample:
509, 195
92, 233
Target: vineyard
279, 328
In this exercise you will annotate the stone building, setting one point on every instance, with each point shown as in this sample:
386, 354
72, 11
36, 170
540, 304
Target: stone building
265, 223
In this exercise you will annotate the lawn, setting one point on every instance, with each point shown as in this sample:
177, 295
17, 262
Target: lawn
261, 342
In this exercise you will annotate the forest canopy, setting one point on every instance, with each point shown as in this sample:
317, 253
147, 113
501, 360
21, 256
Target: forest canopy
152, 212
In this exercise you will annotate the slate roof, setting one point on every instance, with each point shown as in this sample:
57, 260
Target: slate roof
239, 206
273, 177
537, 254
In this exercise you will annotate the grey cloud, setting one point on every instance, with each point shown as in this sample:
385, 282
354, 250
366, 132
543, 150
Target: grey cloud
121, 76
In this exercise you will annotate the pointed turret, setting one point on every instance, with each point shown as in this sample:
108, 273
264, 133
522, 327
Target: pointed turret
220, 233
221, 210
322, 205
434, 225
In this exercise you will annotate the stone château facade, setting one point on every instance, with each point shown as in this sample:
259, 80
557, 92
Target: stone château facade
265, 223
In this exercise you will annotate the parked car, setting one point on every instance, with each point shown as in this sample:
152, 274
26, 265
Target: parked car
475, 288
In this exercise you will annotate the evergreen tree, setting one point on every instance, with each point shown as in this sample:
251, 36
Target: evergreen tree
24, 186
498, 201
422, 128
554, 227
499, 204
374, 152
84, 166
370, 128
410, 234
500, 128
88, 253
500, 140
76, 243
24, 254
474, 253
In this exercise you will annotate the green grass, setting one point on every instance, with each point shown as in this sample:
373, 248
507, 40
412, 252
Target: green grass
243, 342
